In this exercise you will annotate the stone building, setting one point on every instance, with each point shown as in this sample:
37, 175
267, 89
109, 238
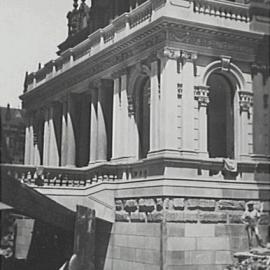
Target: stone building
12, 138
156, 115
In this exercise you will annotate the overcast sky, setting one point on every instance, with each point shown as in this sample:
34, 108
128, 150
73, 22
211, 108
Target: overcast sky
30, 31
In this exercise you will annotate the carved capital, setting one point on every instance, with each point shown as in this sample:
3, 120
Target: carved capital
245, 101
118, 73
169, 52
225, 63
188, 56
201, 94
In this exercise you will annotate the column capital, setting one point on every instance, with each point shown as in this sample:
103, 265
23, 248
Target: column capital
169, 53
201, 94
245, 100
188, 56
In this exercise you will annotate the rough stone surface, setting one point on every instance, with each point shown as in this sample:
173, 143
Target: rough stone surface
159, 204
131, 205
121, 216
174, 216
231, 205
202, 204
118, 205
155, 216
168, 204
212, 217
235, 218
178, 203
146, 205
138, 217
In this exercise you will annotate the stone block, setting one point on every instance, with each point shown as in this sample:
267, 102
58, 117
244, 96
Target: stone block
175, 257
202, 204
148, 256
152, 243
148, 229
137, 216
239, 243
124, 228
231, 205
265, 219
213, 217
229, 230
199, 230
176, 229
155, 217
181, 243
168, 204
118, 205
174, 216
223, 257
121, 216
135, 241
127, 254
191, 216
131, 205
213, 243
235, 217
199, 257
178, 203
146, 205
159, 204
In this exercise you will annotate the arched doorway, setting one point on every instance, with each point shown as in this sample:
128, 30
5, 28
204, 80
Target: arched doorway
220, 116
143, 116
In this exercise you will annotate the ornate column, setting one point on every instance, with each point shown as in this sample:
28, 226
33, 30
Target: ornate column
124, 116
187, 59
46, 138
64, 134
201, 94
245, 104
116, 120
27, 145
154, 107
101, 125
93, 127
53, 158
70, 134
168, 101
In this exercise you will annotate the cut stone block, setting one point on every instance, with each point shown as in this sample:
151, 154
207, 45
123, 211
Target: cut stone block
231, 205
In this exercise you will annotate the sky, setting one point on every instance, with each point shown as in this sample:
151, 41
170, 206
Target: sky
30, 31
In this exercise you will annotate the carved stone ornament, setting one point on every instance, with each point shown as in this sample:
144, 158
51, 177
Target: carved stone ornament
169, 52
188, 56
245, 101
131, 107
225, 63
179, 90
201, 94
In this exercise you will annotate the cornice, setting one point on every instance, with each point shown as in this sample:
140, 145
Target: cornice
148, 38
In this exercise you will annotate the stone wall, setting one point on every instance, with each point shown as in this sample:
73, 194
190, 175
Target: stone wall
178, 233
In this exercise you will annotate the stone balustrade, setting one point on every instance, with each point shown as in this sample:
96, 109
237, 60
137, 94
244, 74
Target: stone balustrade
223, 9
141, 170
126, 24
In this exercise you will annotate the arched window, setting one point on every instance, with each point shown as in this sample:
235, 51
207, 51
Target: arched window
220, 120
143, 117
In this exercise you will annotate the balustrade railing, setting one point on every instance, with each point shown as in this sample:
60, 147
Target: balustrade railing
141, 170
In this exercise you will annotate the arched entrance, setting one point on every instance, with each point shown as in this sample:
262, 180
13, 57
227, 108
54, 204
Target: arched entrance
220, 116
143, 115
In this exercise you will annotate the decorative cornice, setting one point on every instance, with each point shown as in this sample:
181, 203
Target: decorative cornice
201, 94
245, 101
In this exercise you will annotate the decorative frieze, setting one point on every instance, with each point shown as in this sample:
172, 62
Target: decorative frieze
245, 101
201, 94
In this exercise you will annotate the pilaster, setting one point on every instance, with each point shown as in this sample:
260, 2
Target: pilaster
201, 94
187, 76
168, 102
